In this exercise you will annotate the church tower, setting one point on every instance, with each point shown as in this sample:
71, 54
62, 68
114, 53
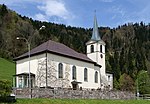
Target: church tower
96, 47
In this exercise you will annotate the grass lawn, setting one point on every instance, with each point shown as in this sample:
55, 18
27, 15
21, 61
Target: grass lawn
79, 101
7, 69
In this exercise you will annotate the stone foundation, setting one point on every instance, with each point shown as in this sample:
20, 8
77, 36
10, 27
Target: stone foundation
71, 94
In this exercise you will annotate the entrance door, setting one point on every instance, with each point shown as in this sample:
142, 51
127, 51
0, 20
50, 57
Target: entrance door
74, 86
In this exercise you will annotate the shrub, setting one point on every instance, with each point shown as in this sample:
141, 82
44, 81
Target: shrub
5, 88
143, 82
126, 83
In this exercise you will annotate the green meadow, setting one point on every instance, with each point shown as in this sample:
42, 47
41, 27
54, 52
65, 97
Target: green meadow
7, 69
79, 101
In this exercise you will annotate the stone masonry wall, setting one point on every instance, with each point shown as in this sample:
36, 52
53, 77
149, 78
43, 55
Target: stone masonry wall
72, 94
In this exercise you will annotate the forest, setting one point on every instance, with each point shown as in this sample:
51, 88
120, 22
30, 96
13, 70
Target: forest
127, 46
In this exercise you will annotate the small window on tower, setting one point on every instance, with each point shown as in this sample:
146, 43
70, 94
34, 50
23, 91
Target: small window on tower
101, 56
108, 78
92, 48
101, 48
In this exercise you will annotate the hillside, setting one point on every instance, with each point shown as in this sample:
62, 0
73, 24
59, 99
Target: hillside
7, 69
127, 46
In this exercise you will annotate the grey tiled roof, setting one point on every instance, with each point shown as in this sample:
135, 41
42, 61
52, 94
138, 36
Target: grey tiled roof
56, 48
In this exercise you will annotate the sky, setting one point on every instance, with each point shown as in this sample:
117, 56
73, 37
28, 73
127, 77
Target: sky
80, 13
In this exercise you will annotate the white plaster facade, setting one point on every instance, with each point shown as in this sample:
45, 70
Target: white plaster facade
53, 60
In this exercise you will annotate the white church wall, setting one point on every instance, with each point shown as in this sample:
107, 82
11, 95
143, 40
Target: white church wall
97, 68
101, 61
97, 56
96, 46
110, 80
80, 65
88, 49
93, 56
90, 83
22, 66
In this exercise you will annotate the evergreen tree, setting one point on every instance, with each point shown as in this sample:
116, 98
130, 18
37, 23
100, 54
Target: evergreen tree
3, 10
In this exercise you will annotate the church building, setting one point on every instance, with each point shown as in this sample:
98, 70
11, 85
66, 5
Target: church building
55, 65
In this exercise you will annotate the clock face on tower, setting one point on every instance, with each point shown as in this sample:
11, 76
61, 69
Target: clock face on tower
101, 56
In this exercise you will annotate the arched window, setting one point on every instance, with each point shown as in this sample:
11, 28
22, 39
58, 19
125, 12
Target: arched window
108, 78
92, 48
101, 48
101, 56
60, 70
85, 74
74, 72
96, 77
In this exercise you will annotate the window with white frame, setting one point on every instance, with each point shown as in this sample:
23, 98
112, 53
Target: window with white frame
96, 77
60, 70
74, 76
85, 74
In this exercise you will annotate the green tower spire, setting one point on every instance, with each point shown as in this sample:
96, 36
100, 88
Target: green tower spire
95, 34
